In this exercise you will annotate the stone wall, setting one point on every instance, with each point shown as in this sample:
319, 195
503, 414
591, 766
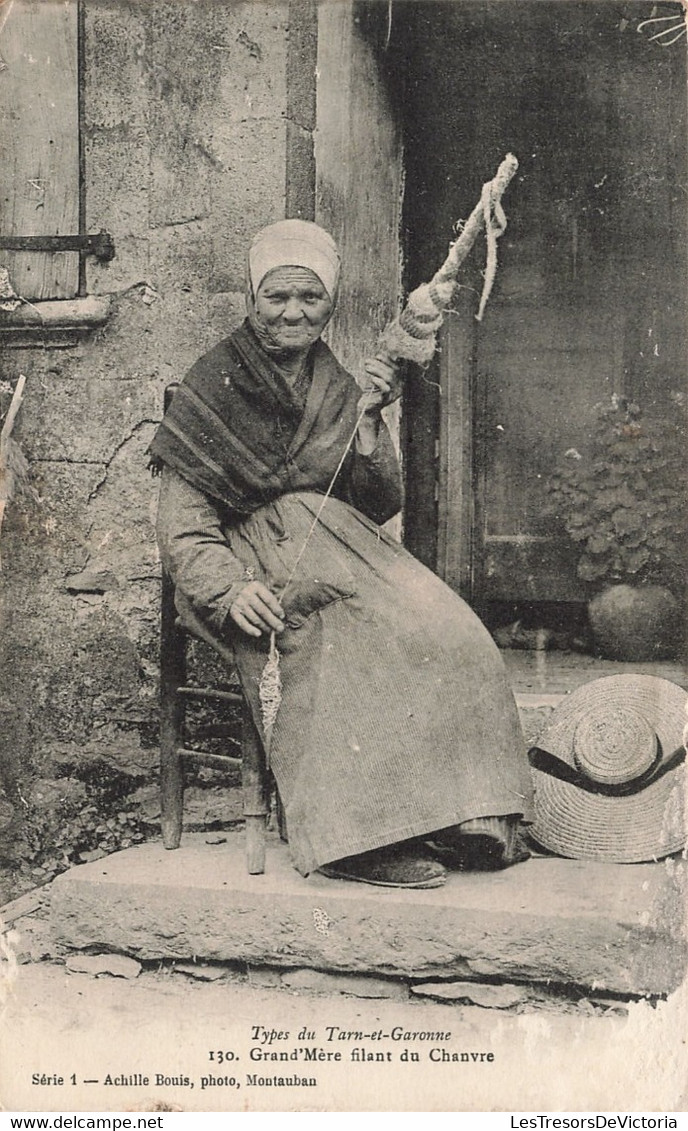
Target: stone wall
202, 121
185, 130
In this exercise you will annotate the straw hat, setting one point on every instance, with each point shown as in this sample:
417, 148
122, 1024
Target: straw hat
609, 771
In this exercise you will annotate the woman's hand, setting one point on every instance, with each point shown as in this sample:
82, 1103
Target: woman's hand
256, 610
383, 384
384, 387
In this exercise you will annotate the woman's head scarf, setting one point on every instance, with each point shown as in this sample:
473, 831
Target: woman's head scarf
294, 243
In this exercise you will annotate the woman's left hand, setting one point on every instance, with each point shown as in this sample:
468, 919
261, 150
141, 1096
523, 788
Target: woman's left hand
383, 386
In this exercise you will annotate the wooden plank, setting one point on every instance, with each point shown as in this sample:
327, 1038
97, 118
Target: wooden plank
455, 471
523, 569
39, 140
420, 429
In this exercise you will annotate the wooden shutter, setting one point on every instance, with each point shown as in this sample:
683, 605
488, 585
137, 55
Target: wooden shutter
39, 141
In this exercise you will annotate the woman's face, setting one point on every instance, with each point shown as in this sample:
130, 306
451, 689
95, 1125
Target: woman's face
293, 307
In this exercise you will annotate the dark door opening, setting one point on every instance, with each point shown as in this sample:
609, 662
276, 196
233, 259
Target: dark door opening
590, 295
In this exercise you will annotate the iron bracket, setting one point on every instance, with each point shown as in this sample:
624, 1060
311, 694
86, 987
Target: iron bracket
100, 244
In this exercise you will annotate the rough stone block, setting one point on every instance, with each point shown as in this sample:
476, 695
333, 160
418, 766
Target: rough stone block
321, 982
46, 534
125, 549
248, 192
115, 965
109, 747
226, 311
118, 160
604, 926
252, 56
116, 40
202, 971
91, 581
59, 674
85, 422
490, 997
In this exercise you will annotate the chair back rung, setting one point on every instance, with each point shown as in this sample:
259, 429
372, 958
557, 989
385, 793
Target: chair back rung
208, 759
210, 693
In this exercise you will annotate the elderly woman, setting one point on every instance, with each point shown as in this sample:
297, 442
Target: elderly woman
397, 748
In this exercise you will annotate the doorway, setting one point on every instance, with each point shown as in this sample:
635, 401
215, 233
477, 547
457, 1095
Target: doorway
590, 295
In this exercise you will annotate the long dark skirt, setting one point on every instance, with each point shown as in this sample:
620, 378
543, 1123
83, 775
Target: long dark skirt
396, 718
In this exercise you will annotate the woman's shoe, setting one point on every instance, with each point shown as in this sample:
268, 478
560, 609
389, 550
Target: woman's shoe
392, 867
484, 844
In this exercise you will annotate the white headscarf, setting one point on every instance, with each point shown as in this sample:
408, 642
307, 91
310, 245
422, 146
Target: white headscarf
295, 243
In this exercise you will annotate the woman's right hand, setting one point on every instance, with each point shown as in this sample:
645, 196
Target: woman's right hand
256, 610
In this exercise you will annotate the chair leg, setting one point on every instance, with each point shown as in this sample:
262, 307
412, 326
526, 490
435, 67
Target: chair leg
254, 782
172, 676
281, 818
171, 787
255, 845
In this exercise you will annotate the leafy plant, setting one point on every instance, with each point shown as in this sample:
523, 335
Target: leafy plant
624, 504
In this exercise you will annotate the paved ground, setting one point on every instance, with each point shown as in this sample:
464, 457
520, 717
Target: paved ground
554, 673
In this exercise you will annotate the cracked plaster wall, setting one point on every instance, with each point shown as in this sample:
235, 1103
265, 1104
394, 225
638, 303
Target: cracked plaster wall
185, 149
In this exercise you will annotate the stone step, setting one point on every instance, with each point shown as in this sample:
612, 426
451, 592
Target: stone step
610, 927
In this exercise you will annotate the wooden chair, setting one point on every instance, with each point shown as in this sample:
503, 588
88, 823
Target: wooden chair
175, 693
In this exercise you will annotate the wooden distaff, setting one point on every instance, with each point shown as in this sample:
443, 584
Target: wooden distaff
413, 334
13, 465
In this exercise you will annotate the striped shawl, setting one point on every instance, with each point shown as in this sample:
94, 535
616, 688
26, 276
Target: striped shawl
236, 431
